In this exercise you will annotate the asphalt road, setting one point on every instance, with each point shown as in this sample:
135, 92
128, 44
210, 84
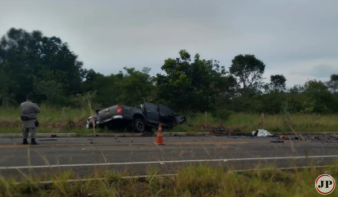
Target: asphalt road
138, 155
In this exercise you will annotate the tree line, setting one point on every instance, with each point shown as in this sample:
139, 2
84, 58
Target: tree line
31, 63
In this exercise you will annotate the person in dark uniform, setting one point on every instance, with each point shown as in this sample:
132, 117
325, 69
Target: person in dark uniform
29, 111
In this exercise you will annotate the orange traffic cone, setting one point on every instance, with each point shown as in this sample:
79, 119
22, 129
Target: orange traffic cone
159, 137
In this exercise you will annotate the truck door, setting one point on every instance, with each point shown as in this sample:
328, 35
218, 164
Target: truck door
166, 115
151, 111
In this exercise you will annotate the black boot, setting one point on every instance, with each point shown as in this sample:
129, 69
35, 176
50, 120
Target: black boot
25, 141
33, 142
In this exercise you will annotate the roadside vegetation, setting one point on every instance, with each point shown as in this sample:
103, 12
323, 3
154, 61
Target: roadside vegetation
208, 94
31, 63
72, 120
198, 180
234, 97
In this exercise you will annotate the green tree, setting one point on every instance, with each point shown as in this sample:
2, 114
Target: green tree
135, 88
190, 85
248, 70
132, 88
51, 90
29, 58
296, 89
333, 83
318, 97
90, 76
6, 97
106, 89
278, 82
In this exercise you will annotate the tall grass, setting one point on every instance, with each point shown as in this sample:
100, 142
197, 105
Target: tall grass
200, 180
73, 120
47, 113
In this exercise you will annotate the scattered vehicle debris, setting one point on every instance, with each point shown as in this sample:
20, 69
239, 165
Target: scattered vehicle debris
277, 141
229, 131
324, 139
261, 133
218, 130
282, 137
48, 140
149, 116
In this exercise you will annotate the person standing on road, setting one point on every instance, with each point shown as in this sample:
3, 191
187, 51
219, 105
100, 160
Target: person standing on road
29, 111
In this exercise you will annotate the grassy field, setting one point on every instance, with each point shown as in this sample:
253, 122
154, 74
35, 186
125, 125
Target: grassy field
191, 181
56, 120
201, 180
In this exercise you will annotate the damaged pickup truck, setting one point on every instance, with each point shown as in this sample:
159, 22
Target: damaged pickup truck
139, 120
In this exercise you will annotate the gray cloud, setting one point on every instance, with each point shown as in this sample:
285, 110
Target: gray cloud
318, 71
291, 37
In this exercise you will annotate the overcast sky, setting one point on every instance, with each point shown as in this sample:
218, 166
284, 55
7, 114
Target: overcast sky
297, 38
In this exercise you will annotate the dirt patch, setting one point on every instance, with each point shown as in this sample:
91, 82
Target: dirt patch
64, 125
57, 125
8, 124
221, 129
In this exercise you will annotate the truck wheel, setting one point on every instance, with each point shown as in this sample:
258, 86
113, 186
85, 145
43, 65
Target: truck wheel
139, 125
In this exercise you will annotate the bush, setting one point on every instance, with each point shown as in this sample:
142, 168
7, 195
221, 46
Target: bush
221, 114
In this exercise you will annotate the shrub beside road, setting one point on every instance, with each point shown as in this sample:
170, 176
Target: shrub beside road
72, 120
199, 180
55, 77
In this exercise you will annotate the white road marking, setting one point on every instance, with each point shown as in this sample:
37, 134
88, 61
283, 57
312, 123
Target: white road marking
166, 162
171, 175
